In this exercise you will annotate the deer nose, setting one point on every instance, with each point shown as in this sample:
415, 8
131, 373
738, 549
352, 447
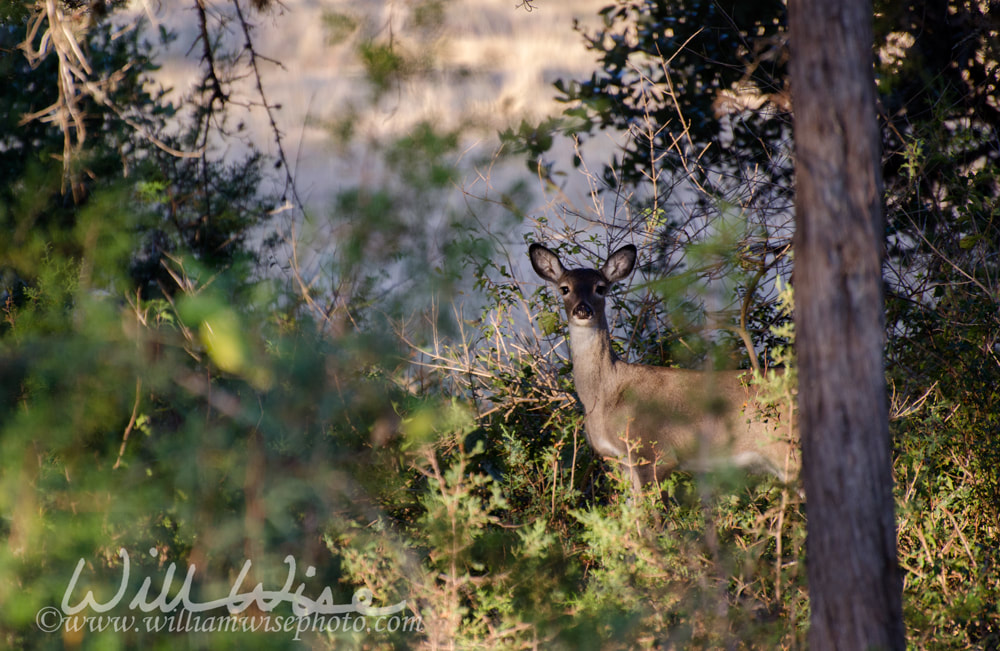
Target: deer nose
583, 311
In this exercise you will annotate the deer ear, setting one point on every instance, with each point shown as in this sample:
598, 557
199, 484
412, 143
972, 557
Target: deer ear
619, 264
546, 263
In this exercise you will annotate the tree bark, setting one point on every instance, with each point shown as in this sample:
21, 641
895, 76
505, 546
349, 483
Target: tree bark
855, 585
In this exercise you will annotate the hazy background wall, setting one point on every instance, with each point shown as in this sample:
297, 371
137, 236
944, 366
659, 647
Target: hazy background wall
484, 65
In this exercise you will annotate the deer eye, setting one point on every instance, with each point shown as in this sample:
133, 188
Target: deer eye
564, 289
601, 290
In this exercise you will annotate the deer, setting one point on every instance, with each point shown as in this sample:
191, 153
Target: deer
652, 419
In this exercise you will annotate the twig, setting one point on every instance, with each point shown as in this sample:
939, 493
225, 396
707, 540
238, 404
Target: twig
131, 423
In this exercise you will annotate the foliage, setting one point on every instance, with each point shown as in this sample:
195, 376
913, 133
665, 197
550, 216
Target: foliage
693, 108
680, 66
941, 170
172, 382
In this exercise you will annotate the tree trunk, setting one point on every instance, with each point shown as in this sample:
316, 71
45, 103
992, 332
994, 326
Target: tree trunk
855, 586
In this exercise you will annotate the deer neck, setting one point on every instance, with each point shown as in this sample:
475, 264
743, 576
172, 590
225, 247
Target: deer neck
595, 365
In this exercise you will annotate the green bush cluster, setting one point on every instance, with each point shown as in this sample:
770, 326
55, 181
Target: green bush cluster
165, 391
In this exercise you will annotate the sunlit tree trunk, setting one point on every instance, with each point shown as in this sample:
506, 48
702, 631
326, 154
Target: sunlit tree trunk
855, 585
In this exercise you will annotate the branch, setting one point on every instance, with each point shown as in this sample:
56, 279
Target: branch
59, 34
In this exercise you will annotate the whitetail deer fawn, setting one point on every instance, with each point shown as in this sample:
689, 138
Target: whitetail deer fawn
653, 419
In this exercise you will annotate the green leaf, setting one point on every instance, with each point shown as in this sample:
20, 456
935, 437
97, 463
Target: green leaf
549, 321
